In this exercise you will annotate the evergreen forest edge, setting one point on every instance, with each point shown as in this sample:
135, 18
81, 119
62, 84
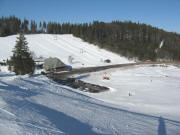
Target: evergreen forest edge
132, 40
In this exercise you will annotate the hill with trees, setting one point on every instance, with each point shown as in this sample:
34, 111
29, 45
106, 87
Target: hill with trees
133, 40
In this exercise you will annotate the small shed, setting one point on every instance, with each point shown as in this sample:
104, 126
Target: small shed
53, 63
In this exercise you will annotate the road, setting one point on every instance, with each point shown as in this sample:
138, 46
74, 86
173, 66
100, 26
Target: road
100, 68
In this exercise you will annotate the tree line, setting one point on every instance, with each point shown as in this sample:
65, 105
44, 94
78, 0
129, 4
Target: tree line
133, 40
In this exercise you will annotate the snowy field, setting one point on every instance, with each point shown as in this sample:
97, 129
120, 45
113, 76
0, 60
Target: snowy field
62, 46
36, 105
146, 89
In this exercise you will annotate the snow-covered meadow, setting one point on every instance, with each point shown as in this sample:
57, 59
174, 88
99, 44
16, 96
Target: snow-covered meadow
146, 89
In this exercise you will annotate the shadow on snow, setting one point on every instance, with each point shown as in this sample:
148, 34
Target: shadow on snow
161, 127
63, 122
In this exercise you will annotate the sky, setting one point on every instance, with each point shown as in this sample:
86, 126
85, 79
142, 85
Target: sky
163, 14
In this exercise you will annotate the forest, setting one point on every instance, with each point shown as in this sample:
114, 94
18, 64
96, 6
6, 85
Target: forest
129, 39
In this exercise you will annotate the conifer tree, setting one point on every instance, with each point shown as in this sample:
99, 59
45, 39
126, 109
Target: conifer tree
33, 27
44, 26
21, 60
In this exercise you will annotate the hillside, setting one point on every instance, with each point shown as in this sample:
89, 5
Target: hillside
132, 40
37, 105
142, 100
62, 46
129, 39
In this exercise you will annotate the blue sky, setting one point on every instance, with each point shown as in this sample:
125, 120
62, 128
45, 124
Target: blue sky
160, 13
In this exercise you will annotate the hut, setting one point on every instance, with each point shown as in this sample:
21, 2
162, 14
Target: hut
54, 65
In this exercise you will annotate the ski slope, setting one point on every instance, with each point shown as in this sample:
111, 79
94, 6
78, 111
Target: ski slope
62, 46
38, 106
35, 105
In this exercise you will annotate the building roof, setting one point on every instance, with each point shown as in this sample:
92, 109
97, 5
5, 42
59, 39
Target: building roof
51, 63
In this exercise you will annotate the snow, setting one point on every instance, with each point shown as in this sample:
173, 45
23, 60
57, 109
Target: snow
153, 89
62, 46
35, 105
4, 69
161, 44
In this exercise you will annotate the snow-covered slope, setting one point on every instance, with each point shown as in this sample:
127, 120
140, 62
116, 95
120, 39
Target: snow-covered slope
62, 46
37, 106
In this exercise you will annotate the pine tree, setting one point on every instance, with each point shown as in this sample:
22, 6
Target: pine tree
44, 26
41, 28
33, 27
21, 60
